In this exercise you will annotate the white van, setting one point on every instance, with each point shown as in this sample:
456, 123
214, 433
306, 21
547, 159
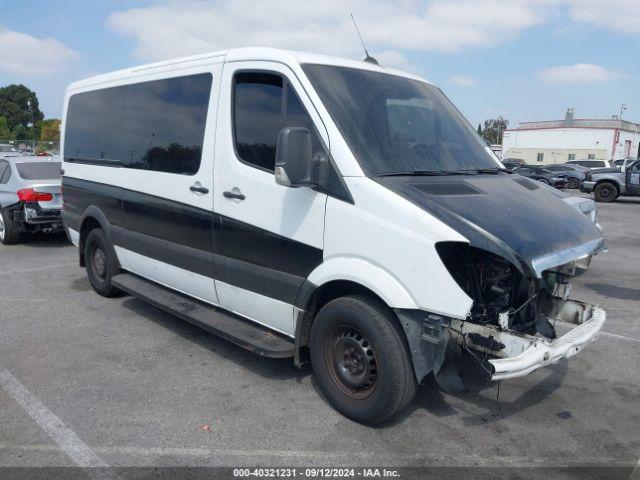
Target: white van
327, 210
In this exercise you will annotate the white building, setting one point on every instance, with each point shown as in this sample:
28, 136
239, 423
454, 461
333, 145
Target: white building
557, 141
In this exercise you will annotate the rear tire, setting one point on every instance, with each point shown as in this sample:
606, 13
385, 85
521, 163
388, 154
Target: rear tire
360, 359
545, 181
101, 263
605, 192
9, 233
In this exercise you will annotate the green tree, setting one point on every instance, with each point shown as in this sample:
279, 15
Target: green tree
5, 131
49, 130
493, 129
19, 106
21, 133
479, 129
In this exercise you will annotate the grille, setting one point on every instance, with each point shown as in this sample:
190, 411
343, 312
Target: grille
528, 184
447, 189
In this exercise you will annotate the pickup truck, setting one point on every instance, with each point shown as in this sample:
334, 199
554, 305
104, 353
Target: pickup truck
607, 184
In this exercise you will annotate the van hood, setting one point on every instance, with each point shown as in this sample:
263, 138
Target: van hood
530, 224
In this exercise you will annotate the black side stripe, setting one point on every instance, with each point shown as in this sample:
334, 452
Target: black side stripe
197, 240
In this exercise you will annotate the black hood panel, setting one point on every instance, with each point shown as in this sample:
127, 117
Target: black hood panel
520, 221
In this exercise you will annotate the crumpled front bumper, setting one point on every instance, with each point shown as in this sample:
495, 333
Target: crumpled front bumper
522, 354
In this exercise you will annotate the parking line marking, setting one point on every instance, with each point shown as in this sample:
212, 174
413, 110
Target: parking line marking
64, 437
38, 269
606, 334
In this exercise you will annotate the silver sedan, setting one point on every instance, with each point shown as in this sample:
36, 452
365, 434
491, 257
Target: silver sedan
30, 196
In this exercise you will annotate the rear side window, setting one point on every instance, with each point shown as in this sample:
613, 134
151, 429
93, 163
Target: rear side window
39, 170
156, 125
265, 103
5, 172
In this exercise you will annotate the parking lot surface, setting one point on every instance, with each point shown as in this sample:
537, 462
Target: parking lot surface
86, 380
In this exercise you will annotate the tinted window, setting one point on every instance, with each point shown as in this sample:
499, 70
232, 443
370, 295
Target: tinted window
39, 170
7, 148
155, 125
4, 166
395, 124
264, 103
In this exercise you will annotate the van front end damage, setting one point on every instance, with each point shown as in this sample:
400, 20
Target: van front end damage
519, 354
511, 327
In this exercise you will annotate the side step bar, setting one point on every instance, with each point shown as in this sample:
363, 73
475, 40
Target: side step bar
244, 333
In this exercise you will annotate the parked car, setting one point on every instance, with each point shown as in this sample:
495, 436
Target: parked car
542, 175
9, 151
511, 163
269, 198
621, 161
30, 197
573, 173
590, 163
611, 183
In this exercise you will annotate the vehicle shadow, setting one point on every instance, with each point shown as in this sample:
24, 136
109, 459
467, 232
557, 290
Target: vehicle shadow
45, 240
272, 368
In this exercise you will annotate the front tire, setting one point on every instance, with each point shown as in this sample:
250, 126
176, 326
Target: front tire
573, 183
360, 360
9, 233
605, 192
101, 263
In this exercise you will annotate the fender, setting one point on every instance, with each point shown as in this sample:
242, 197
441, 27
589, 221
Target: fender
371, 276
95, 213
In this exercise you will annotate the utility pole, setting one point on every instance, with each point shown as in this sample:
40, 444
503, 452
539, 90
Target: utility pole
623, 107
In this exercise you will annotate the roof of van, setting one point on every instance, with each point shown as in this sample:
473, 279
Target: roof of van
237, 55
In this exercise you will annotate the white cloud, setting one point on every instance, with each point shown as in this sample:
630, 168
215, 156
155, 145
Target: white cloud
27, 55
175, 28
463, 80
579, 73
621, 16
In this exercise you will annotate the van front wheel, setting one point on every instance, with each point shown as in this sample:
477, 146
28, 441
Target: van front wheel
360, 359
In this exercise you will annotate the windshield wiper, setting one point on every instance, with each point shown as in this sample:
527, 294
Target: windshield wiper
480, 171
425, 173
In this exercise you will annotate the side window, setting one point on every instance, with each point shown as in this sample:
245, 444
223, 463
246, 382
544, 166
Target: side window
157, 125
263, 104
3, 168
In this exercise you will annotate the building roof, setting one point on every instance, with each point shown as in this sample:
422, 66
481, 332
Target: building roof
611, 124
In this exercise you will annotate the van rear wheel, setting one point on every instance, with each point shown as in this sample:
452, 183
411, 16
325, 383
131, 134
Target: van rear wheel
101, 263
360, 359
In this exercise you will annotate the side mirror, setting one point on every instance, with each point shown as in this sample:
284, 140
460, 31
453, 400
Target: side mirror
293, 157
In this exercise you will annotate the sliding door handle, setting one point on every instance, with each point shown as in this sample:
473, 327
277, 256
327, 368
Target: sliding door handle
231, 194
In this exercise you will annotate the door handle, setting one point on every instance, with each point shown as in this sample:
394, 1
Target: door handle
199, 189
236, 195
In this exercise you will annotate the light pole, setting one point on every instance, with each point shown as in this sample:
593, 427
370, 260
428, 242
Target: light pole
33, 126
623, 107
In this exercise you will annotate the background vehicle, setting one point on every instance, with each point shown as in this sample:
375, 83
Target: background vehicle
621, 161
590, 163
9, 151
542, 175
511, 163
573, 173
610, 183
30, 197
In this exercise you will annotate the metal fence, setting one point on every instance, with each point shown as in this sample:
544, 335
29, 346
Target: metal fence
33, 146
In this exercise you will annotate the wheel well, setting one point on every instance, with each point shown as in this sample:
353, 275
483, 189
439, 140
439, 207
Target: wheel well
611, 182
88, 224
319, 298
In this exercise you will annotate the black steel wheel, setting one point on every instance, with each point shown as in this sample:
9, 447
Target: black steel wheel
101, 263
605, 192
361, 360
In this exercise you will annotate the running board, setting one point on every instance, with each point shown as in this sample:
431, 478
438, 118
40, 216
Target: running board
244, 333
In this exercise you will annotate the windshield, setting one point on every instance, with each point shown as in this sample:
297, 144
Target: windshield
39, 170
397, 125
7, 148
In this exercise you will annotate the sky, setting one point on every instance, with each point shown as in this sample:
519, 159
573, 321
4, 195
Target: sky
523, 59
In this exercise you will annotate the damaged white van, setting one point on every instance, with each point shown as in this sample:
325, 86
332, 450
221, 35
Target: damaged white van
327, 210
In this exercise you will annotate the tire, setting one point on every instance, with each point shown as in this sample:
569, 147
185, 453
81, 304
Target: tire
605, 192
9, 233
573, 183
544, 180
100, 263
360, 360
